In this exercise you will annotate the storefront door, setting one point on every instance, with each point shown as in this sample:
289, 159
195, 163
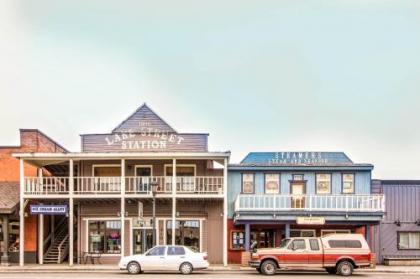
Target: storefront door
297, 191
142, 240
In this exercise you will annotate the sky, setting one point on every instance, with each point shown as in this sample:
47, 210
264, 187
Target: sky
257, 75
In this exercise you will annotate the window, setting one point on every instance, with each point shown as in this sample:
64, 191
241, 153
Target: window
344, 243
238, 240
272, 183
175, 251
408, 240
348, 183
323, 183
105, 237
302, 233
297, 244
157, 251
187, 233
248, 183
326, 232
314, 244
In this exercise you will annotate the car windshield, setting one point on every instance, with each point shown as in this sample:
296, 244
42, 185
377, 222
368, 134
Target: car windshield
284, 243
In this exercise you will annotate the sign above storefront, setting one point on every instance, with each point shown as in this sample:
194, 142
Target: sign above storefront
48, 209
296, 158
310, 220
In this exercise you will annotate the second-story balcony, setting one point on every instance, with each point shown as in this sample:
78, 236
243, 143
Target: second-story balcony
312, 203
135, 185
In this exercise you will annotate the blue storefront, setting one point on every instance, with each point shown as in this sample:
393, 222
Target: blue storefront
274, 195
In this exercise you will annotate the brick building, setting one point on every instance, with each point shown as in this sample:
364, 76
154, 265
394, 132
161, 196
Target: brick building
31, 140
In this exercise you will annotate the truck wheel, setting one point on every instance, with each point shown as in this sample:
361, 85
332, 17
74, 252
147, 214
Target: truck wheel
268, 267
345, 268
331, 270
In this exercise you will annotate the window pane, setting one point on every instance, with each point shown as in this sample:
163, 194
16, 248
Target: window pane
404, 242
348, 183
157, 251
238, 239
323, 183
187, 233
299, 244
104, 237
272, 183
175, 250
248, 183
314, 244
345, 244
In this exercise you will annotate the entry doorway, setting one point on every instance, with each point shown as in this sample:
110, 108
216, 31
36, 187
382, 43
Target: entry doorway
144, 175
298, 191
142, 240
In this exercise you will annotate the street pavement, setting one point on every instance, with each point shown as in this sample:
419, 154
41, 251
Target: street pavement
196, 275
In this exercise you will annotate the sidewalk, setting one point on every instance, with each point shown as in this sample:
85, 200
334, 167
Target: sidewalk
213, 268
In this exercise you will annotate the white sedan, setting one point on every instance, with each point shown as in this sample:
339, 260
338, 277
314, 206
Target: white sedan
165, 258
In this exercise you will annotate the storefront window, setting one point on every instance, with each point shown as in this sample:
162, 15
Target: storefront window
272, 183
105, 237
248, 183
187, 233
238, 240
408, 240
323, 183
348, 183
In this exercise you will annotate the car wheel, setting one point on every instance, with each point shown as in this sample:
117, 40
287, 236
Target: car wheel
186, 268
345, 268
268, 267
133, 268
331, 270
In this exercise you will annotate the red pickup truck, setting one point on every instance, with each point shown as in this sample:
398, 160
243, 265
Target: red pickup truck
336, 253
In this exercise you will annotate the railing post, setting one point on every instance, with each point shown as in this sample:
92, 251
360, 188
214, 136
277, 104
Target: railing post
122, 211
173, 200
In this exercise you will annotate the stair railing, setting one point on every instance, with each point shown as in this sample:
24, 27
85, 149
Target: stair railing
63, 251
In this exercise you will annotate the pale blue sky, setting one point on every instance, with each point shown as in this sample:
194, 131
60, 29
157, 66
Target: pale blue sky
257, 75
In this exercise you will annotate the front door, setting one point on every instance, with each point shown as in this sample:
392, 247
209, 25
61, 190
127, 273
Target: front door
296, 254
142, 240
298, 192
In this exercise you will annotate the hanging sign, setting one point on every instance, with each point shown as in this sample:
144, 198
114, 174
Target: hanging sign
49, 209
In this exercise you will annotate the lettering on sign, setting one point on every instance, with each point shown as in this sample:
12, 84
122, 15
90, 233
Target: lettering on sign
148, 138
48, 209
310, 220
299, 158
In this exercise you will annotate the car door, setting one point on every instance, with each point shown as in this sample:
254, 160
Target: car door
297, 254
154, 259
175, 256
315, 254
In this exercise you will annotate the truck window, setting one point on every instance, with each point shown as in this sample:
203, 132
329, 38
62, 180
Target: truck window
284, 242
345, 243
314, 244
297, 244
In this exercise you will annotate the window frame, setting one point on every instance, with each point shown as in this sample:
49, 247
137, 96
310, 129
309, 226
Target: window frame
342, 183
316, 183
105, 220
231, 240
265, 183
242, 182
398, 241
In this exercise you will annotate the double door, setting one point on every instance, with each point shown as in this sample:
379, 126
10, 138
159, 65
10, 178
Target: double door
142, 240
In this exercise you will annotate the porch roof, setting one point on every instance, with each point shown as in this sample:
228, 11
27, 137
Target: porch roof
9, 197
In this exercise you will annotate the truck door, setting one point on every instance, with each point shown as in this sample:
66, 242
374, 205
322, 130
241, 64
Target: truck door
315, 253
297, 253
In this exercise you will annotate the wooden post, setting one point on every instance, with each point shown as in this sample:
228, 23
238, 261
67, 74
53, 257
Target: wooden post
71, 213
5, 229
22, 215
41, 238
173, 200
122, 211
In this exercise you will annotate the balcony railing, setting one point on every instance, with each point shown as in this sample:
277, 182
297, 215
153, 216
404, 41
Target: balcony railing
278, 203
133, 185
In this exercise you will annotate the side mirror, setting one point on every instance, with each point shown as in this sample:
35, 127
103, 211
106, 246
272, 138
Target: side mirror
254, 246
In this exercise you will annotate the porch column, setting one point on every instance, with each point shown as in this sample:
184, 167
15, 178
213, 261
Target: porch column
368, 235
22, 215
122, 210
173, 199
247, 237
287, 230
41, 238
52, 223
71, 212
225, 213
5, 229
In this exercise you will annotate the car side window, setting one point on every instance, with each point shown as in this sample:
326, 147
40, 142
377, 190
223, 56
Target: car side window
175, 251
314, 244
157, 251
297, 244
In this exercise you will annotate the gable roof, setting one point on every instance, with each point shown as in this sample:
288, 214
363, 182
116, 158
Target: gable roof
143, 117
296, 158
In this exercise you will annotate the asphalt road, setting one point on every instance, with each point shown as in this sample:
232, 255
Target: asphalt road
197, 275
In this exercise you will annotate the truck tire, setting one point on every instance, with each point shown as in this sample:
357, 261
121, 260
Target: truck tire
345, 268
268, 267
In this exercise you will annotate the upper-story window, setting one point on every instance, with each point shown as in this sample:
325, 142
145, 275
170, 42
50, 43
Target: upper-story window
323, 183
272, 183
248, 183
348, 183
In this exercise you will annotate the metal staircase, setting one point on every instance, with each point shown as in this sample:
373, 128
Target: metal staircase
59, 248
